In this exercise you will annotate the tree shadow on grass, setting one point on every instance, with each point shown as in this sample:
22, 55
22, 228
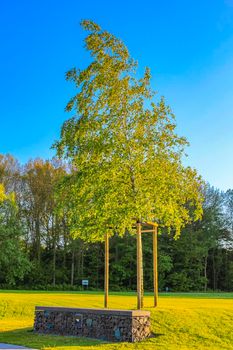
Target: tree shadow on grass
156, 335
26, 337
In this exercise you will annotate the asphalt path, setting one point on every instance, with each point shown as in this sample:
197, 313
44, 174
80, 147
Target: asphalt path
13, 347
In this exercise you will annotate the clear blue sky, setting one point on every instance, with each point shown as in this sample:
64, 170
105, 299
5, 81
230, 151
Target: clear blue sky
187, 44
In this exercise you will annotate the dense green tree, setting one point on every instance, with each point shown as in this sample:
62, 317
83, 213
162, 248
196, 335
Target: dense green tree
126, 153
13, 259
198, 254
125, 149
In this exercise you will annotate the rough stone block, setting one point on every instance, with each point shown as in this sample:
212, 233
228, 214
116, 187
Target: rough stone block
105, 324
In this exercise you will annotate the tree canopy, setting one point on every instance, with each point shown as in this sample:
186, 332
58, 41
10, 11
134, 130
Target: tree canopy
2, 193
125, 153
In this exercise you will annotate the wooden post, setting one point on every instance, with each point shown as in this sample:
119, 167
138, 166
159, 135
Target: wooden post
139, 266
106, 270
155, 264
142, 278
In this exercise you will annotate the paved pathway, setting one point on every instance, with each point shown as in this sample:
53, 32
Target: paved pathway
12, 347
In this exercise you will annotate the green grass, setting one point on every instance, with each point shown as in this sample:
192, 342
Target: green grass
182, 321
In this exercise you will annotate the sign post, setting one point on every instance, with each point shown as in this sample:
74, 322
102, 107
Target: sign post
85, 283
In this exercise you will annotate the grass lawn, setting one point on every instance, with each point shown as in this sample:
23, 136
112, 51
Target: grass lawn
182, 321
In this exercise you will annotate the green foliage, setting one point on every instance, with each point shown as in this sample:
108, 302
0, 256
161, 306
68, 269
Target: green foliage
200, 259
13, 260
197, 256
2, 193
123, 147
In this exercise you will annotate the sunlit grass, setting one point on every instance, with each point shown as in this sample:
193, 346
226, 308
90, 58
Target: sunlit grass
180, 321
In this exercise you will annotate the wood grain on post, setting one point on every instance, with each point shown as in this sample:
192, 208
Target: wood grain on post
106, 271
155, 264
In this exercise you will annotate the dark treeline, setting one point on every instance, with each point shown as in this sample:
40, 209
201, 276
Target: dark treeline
37, 251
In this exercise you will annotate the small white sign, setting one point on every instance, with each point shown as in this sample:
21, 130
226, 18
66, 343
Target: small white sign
85, 282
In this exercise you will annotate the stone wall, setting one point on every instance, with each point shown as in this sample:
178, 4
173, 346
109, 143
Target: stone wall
105, 324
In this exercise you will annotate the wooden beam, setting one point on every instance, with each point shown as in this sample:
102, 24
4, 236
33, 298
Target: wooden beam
106, 271
155, 265
150, 223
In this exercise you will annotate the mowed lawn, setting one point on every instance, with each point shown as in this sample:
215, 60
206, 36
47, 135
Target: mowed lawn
182, 321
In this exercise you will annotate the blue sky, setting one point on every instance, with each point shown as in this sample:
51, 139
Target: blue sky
187, 44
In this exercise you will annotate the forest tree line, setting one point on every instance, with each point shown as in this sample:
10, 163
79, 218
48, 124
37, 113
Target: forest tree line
37, 250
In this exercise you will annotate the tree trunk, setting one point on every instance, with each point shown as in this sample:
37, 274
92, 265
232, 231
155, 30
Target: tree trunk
54, 263
214, 271
205, 273
37, 234
82, 260
97, 268
106, 274
72, 267
65, 245
78, 260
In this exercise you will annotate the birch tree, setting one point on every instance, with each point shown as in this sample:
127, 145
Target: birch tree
122, 143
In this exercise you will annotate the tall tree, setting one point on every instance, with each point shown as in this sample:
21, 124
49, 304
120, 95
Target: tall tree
38, 205
124, 148
228, 205
14, 262
10, 173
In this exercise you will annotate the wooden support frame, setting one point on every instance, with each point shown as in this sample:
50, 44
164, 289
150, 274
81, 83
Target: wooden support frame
139, 266
140, 284
140, 289
155, 265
